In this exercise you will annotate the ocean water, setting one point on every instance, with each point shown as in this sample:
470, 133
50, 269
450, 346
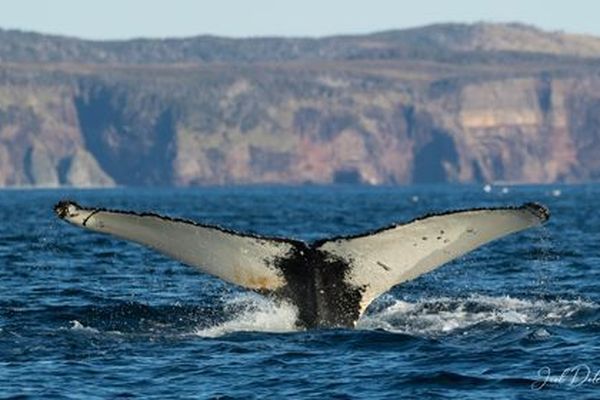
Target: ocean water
86, 316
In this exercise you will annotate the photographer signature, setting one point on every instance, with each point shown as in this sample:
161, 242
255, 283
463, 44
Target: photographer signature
575, 376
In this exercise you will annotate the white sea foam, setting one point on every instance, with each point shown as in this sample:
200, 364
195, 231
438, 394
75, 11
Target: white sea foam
252, 313
78, 326
434, 316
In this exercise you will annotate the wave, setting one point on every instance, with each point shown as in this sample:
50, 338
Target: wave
442, 315
78, 326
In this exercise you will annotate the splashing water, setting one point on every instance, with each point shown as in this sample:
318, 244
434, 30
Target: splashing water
253, 313
427, 317
440, 315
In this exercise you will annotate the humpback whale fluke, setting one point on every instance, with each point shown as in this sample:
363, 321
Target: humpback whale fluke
331, 281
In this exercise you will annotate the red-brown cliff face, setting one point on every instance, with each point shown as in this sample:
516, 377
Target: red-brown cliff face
429, 105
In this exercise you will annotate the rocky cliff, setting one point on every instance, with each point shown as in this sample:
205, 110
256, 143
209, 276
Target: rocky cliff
445, 103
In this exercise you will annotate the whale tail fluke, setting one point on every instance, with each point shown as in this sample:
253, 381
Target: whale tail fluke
330, 281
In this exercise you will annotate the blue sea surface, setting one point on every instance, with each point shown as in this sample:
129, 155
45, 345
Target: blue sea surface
84, 315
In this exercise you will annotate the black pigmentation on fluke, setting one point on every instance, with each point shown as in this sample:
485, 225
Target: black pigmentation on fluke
539, 210
62, 208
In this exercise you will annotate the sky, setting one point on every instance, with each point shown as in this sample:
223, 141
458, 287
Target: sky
123, 19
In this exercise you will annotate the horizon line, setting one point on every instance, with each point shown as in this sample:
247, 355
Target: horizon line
299, 37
